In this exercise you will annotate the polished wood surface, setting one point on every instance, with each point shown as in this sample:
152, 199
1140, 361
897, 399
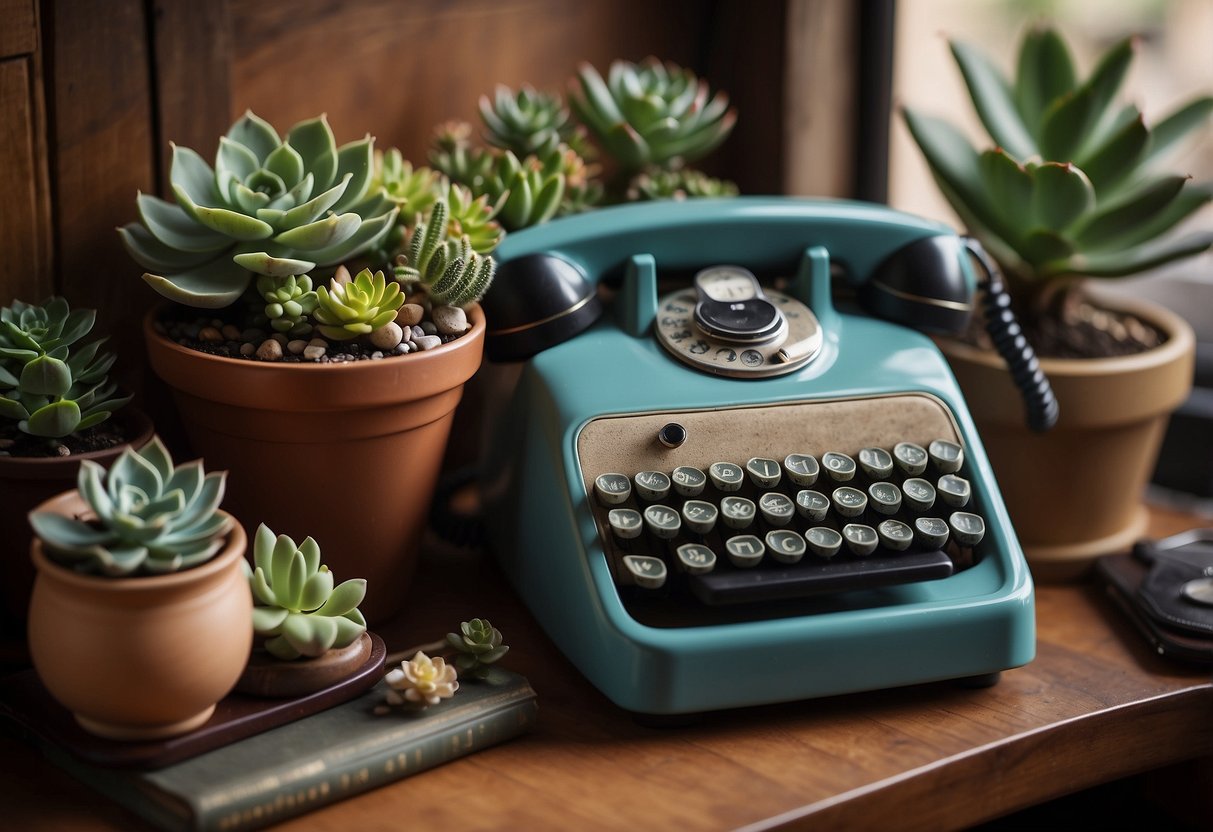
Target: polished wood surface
1095, 705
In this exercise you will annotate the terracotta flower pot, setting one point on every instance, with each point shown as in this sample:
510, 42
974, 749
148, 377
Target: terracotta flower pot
346, 453
142, 657
1075, 493
27, 481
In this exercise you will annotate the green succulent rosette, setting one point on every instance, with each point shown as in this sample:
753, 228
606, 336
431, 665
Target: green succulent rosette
478, 644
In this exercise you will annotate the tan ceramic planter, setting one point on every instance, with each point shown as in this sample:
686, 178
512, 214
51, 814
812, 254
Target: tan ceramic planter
1075, 493
143, 657
346, 453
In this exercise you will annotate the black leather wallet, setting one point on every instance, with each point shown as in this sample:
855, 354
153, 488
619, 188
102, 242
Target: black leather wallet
1166, 588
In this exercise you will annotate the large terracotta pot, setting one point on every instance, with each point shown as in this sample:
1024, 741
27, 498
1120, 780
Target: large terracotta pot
346, 453
1075, 492
142, 657
25, 482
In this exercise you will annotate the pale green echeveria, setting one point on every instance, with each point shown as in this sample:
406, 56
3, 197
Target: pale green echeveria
651, 113
347, 309
269, 206
1070, 188
529, 122
49, 387
298, 610
148, 516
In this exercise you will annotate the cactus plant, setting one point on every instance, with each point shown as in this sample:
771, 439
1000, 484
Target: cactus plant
450, 270
677, 184
46, 388
298, 610
651, 113
479, 644
288, 303
349, 308
1068, 190
269, 206
149, 516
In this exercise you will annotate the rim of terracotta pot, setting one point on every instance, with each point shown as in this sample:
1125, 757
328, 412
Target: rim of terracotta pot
250, 382
53, 467
70, 504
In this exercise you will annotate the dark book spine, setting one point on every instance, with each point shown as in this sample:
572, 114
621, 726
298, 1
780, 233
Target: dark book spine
348, 777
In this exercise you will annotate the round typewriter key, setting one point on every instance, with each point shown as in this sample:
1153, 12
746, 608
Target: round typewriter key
776, 508
744, 550
895, 535
612, 489
840, 467
662, 521
726, 476
672, 435
738, 512
930, 532
812, 505
919, 494
953, 490
910, 458
652, 485
689, 481
802, 469
947, 457
786, 546
696, 558
860, 539
849, 502
967, 529
763, 472
823, 541
645, 571
699, 516
876, 463
625, 523
1199, 591
884, 497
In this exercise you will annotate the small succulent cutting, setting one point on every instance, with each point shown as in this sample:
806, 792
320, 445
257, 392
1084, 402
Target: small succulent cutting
1069, 188
479, 645
349, 308
269, 206
147, 516
452, 273
48, 388
288, 303
298, 610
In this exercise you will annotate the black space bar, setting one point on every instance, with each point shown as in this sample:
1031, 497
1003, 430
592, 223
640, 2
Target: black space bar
881, 568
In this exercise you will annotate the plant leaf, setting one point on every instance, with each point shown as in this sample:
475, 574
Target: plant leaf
1174, 127
262, 263
211, 286
314, 141
344, 598
45, 376
256, 134
331, 231
1045, 72
54, 421
191, 175
1108, 165
1061, 195
267, 620
1125, 214
367, 236
358, 160
316, 590
228, 223
1138, 259
154, 255
992, 98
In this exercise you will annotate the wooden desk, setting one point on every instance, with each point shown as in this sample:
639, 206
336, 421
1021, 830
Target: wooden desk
1094, 706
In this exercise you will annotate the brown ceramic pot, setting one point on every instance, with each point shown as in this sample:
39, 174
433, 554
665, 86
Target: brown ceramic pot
27, 481
1075, 492
143, 657
346, 453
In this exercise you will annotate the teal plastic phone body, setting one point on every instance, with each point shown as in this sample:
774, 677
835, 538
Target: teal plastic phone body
540, 508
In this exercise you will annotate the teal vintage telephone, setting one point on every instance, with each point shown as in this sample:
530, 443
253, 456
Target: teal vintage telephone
732, 490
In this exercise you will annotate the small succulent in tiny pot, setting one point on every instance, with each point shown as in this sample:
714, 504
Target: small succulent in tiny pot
140, 621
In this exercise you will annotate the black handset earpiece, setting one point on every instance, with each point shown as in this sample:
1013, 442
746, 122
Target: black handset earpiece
538, 301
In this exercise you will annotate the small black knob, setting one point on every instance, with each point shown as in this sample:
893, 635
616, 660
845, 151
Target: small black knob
672, 435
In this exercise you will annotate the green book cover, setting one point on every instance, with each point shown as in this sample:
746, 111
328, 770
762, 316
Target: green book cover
322, 759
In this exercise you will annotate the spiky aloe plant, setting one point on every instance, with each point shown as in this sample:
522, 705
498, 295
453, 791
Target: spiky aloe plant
651, 113
269, 206
149, 516
298, 610
451, 272
1069, 190
346, 309
46, 387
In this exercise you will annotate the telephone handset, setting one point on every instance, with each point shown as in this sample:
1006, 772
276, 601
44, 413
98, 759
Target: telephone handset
728, 469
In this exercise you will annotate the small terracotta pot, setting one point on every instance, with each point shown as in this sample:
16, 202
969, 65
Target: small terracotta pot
143, 657
27, 481
346, 453
1075, 492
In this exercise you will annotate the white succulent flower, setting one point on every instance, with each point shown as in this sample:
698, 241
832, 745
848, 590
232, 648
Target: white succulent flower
421, 681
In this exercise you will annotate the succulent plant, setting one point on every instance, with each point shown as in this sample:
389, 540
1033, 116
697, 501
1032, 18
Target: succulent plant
651, 113
479, 645
269, 206
288, 302
453, 154
413, 189
677, 184
529, 190
349, 308
527, 123
48, 389
298, 610
421, 681
1068, 190
450, 270
149, 516
472, 216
